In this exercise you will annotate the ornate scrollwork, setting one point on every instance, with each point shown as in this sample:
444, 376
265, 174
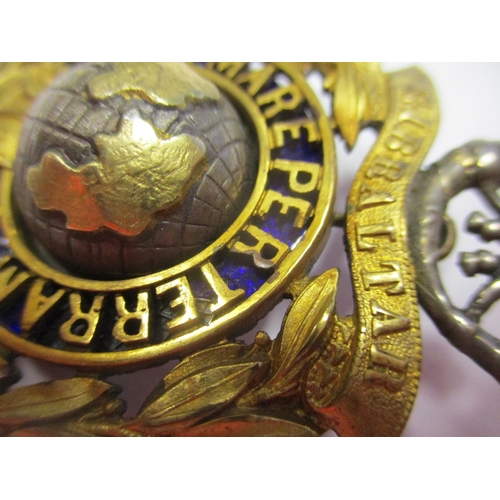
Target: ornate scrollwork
475, 165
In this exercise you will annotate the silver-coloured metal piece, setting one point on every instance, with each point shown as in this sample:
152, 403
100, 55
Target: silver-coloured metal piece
474, 165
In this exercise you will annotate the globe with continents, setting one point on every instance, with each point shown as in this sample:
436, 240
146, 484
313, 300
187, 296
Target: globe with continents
124, 169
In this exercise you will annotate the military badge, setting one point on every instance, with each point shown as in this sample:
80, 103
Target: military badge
156, 211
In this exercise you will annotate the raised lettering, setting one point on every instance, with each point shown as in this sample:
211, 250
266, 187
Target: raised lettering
132, 326
416, 98
369, 198
405, 117
386, 369
280, 99
266, 252
398, 141
185, 300
304, 208
386, 168
37, 304
225, 296
303, 176
256, 80
385, 322
293, 129
230, 69
81, 327
373, 231
391, 277
8, 282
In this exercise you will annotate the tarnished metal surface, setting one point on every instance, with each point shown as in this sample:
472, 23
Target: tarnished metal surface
474, 165
121, 150
356, 374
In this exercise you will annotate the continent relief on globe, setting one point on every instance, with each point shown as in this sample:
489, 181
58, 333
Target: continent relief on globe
168, 84
127, 186
125, 169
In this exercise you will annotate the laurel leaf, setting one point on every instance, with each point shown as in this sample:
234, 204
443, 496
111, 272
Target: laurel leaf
200, 394
330, 72
251, 426
376, 84
302, 327
213, 356
199, 361
49, 400
349, 102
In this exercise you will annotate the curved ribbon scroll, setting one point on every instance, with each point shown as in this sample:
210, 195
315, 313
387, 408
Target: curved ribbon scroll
386, 366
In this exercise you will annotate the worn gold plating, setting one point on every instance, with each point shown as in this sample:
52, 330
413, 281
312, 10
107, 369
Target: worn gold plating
126, 187
192, 327
357, 375
170, 84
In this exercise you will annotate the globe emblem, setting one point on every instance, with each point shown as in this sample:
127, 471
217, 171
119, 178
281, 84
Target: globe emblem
129, 168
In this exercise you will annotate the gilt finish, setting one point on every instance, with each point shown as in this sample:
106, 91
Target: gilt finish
131, 171
94, 155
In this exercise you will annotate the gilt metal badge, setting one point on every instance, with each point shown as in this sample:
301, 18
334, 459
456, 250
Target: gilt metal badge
157, 211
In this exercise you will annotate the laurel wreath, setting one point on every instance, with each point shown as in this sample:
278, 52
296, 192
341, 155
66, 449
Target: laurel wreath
228, 389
